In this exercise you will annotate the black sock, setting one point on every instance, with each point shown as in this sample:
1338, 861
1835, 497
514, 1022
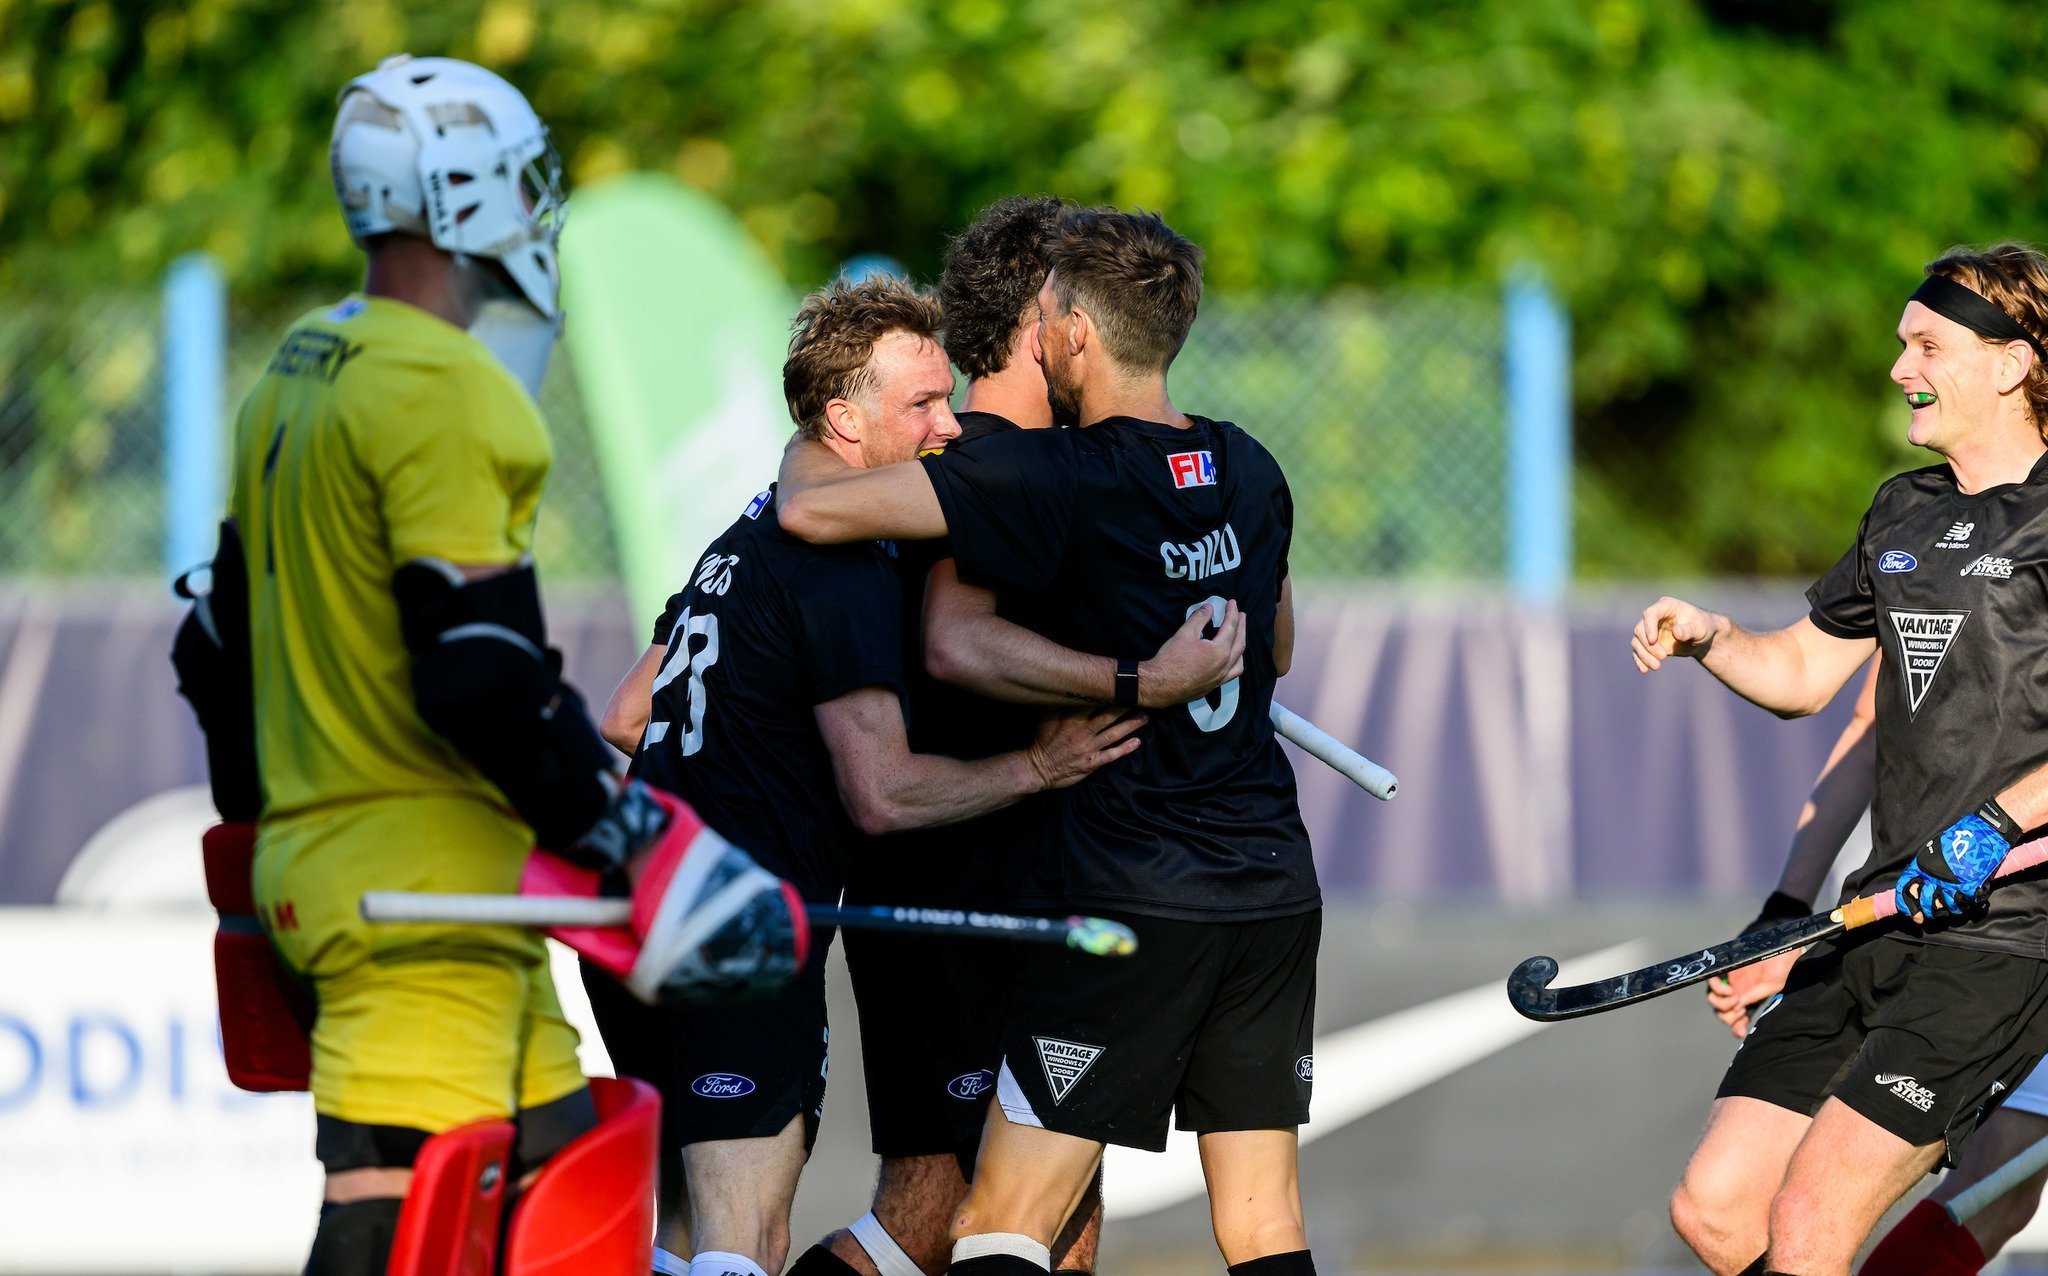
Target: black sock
1298, 1262
819, 1261
995, 1265
354, 1239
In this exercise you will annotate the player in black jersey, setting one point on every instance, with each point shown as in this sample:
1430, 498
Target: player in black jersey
1117, 533
931, 1010
778, 707
1886, 1052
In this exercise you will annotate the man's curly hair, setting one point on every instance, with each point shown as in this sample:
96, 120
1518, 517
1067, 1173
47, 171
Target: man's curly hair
1138, 279
993, 272
832, 342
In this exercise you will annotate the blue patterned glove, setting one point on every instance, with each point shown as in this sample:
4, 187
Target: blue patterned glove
1951, 876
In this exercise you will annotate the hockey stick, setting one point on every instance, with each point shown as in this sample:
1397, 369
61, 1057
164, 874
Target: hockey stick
1094, 935
1532, 997
1971, 1201
1328, 749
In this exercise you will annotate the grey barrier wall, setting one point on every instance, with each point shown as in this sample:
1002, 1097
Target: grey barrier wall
1536, 765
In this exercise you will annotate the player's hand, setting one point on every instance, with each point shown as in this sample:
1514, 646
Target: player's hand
1951, 874
1070, 746
1670, 627
1192, 664
1732, 995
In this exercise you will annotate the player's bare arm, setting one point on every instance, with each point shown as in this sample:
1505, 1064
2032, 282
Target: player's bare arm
626, 713
886, 788
968, 644
822, 499
1283, 629
1840, 795
1792, 671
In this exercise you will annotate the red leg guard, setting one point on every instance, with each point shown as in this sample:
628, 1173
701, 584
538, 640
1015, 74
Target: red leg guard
264, 1013
1927, 1242
591, 1210
449, 1223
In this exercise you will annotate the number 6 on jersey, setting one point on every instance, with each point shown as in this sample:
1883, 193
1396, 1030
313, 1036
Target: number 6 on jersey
1213, 717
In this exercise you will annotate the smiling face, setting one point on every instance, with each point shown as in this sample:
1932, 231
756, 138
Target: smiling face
906, 407
1953, 379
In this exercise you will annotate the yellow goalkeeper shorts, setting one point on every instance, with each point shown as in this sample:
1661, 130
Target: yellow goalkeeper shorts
424, 1026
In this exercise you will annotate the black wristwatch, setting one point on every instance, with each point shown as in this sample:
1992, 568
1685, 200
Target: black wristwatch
1127, 684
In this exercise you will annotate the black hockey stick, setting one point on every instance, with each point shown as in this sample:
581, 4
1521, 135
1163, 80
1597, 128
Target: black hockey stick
1529, 990
1096, 936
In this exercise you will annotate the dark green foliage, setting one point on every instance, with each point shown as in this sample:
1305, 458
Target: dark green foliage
1735, 196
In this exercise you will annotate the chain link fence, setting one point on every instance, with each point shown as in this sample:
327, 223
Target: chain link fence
1385, 410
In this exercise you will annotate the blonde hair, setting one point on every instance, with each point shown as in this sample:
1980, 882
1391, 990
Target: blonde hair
832, 343
2013, 277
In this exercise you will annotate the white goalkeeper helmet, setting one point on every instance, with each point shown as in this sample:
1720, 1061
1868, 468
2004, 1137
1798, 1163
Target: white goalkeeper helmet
447, 150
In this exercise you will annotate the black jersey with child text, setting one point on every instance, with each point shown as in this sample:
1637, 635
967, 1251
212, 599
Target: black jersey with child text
1954, 588
1125, 528
769, 628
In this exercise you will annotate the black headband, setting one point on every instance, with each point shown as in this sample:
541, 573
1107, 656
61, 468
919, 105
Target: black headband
1970, 308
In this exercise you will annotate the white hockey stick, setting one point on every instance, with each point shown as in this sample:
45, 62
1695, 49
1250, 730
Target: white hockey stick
1340, 757
1971, 1200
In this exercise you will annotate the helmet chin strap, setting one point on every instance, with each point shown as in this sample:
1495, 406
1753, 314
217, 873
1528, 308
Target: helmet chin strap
504, 320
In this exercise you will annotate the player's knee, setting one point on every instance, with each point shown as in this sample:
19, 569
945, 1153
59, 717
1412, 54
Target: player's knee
1804, 1231
1712, 1216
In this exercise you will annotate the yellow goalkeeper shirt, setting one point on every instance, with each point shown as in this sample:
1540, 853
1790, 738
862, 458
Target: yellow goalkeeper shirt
377, 435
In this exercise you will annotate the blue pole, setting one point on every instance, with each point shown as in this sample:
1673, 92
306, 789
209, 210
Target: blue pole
1538, 375
194, 376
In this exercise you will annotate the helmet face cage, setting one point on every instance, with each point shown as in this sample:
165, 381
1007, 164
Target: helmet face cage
540, 189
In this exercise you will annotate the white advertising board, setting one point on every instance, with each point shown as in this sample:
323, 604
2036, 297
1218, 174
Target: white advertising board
123, 1148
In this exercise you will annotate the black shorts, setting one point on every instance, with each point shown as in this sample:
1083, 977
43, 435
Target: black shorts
931, 1022
1212, 1021
1925, 1040
740, 1071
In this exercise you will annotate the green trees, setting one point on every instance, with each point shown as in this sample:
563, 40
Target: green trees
1733, 195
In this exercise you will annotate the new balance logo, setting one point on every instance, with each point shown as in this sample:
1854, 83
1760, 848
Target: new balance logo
1192, 469
1215, 553
1958, 536
1986, 565
1924, 639
1065, 1063
1909, 1089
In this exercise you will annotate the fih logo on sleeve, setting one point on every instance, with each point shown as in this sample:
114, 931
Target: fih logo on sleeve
1192, 469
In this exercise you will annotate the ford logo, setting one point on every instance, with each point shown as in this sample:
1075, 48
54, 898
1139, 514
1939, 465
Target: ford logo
1896, 560
971, 1086
722, 1085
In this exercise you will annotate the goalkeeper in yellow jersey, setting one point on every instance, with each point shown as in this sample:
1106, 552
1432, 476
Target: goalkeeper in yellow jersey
410, 727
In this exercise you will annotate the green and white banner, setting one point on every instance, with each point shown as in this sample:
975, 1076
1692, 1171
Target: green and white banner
677, 323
